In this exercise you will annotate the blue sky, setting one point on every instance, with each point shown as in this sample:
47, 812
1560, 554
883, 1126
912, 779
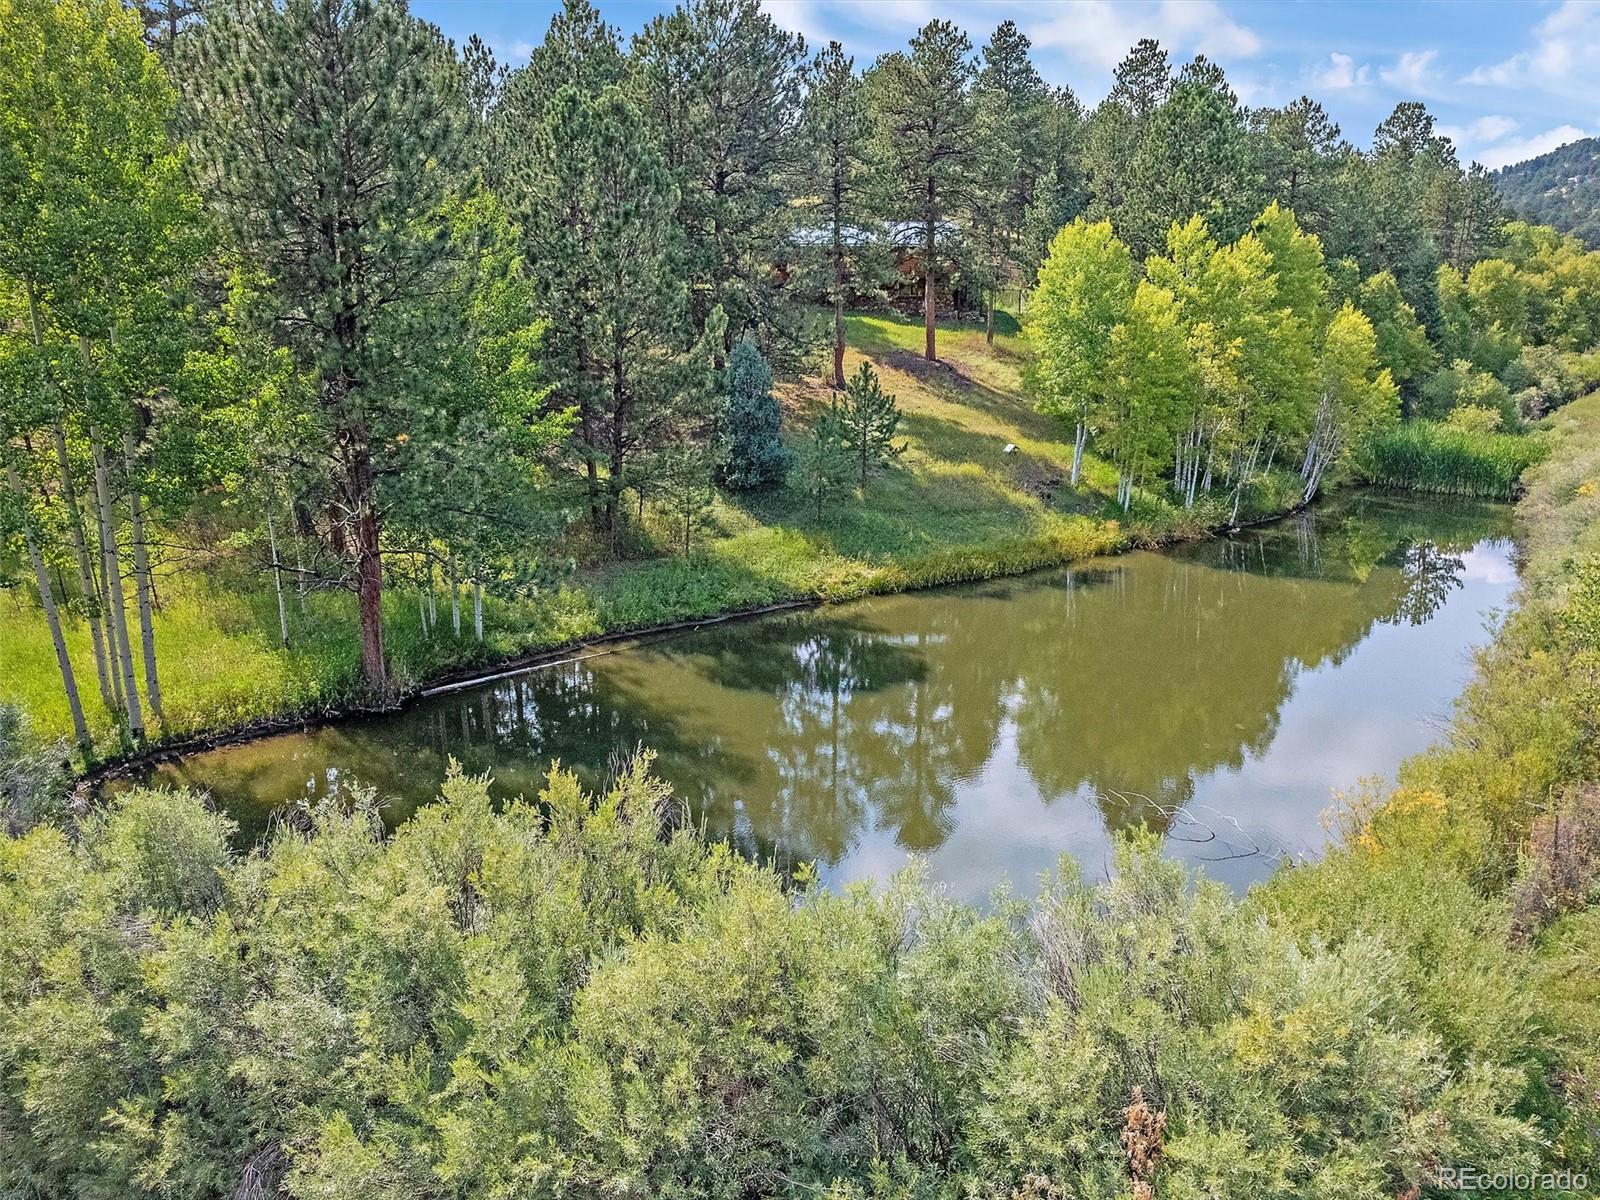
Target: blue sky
1506, 80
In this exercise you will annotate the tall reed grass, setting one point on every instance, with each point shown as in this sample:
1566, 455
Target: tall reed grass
1426, 456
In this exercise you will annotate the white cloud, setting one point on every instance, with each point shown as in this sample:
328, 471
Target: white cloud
513, 54
1412, 72
1100, 34
1565, 43
1341, 73
1480, 132
1519, 149
799, 16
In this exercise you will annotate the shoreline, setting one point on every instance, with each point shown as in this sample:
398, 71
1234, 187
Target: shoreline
87, 784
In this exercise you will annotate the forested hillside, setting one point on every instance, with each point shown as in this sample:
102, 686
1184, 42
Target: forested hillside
1560, 189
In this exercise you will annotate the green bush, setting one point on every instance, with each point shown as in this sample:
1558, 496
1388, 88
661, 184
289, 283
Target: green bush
33, 774
1428, 456
579, 996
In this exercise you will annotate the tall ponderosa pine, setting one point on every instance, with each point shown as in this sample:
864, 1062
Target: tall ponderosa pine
719, 83
553, 195
836, 184
1011, 104
1061, 190
331, 134
1298, 150
756, 456
1195, 157
597, 205
1116, 128
926, 136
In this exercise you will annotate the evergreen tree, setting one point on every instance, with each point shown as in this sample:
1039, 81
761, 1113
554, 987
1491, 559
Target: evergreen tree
579, 51
1299, 151
1194, 157
331, 137
1010, 108
680, 477
164, 20
720, 85
756, 456
597, 207
836, 179
921, 105
1061, 189
1116, 129
825, 467
869, 417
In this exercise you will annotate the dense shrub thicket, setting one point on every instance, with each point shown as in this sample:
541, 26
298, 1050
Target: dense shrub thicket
562, 998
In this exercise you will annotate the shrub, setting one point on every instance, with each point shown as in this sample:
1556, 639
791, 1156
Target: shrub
33, 774
1460, 385
1472, 418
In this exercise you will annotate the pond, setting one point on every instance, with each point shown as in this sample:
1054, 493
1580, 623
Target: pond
1220, 693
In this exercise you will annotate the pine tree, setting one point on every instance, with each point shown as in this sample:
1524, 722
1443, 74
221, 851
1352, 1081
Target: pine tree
925, 133
1195, 157
1298, 155
1010, 104
836, 178
720, 85
681, 479
869, 417
331, 137
1061, 189
1116, 128
596, 202
756, 456
825, 467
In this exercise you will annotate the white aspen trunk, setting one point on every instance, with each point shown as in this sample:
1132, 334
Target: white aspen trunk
117, 597
433, 613
477, 610
69, 494
277, 576
299, 565
422, 612
455, 598
141, 584
52, 616
86, 575
1078, 439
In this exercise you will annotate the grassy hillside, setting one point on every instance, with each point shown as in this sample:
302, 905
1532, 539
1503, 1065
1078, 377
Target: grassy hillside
957, 507
1561, 188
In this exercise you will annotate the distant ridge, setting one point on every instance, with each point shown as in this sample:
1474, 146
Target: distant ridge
1561, 188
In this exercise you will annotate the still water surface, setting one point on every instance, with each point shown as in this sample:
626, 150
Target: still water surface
1220, 693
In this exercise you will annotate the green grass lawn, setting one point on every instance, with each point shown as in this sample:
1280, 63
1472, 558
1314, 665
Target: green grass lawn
957, 507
